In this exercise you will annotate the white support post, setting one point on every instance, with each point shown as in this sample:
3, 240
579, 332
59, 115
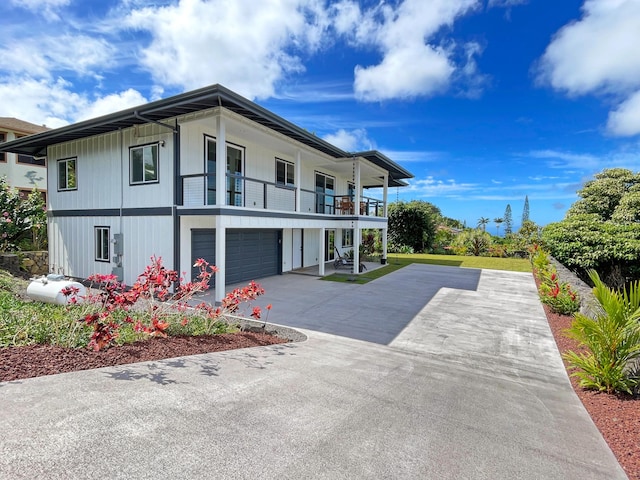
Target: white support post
358, 186
321, 253
221, 163
357, 239
385, 214
385, 197
298, 180
384, 246
220, 275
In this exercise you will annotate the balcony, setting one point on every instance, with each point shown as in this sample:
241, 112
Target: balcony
199, 190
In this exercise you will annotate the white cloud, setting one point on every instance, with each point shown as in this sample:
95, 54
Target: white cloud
54, 104
351, 141
41, 56
560, 159
410, 65
241, 44
432, 187
112, 103
625, 120
46, 8
598, 54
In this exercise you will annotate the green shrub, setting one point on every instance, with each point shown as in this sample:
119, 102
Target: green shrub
612, 339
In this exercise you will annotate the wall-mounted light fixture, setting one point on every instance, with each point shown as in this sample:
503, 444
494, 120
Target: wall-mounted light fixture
162, 143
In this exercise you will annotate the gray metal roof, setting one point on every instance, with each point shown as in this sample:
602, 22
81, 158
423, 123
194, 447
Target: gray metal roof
189, 102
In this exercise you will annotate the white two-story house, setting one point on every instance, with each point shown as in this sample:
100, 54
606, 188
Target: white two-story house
149, 181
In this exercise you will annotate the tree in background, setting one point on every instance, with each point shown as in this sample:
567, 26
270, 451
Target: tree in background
601, 230
508, 220
498, 221
482, 223
22, 219
612, 195
413, 224
525, 210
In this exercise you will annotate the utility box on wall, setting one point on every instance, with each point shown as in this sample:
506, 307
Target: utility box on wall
118, 251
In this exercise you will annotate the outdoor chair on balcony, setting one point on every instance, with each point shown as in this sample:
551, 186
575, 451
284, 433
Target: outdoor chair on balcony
344, 262
345, 206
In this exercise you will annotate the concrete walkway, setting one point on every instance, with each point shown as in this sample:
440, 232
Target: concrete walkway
459, 379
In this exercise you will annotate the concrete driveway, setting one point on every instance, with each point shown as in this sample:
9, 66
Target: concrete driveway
429, 372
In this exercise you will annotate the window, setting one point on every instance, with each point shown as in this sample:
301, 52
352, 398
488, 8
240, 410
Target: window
102, 244
324, 193
3, 138
284, 173
235, 181
67, 178
347, 238
29, 160
144, 164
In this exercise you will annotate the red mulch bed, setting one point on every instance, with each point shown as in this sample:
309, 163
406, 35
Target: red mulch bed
37, 360
617, 416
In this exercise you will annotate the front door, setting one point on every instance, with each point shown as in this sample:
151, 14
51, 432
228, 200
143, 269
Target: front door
296, 261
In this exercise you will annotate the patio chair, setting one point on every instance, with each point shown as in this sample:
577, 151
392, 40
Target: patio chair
344, 262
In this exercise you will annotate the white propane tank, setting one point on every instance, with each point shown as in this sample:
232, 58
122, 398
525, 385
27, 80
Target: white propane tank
49, 289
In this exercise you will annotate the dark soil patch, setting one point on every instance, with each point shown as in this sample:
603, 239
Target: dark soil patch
37, 360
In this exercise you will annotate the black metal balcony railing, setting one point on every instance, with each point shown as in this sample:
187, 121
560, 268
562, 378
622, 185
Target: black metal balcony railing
200, 190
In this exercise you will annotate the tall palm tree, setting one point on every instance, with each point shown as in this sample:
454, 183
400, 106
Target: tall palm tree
498, 221
482, 222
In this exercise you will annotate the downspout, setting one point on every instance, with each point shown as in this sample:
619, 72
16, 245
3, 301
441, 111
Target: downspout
177, 197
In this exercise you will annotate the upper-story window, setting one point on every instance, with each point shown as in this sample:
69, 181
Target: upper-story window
144, 164
3, 138
29, 160
67, 176
285, 173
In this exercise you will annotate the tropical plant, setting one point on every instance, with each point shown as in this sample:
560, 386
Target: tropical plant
149, 306
21, 218
472, 242
498, 221
611, 339
482, 223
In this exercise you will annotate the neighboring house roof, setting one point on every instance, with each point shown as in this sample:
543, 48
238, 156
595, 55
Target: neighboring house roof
20, 126
189, 102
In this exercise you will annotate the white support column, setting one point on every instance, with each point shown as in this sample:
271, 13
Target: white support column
298, 180
385, 214
321, 253
385, 196
357, 239
221, 247
384, 246
221, 163
358, 186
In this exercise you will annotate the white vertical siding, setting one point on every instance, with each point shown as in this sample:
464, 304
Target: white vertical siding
72, 249
287, 249
102, 171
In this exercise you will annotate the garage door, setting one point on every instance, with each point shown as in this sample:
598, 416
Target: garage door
251, 254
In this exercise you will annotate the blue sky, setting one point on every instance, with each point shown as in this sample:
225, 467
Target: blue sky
485, 101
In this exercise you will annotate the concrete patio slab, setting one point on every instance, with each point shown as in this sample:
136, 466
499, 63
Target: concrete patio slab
461, 381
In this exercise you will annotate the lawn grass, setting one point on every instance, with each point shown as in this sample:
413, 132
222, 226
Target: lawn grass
396, 261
